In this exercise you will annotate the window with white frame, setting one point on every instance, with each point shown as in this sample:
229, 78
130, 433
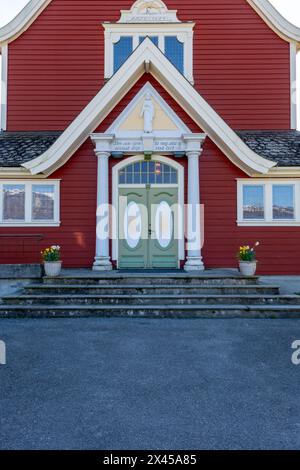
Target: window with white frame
175, 41
171, 45
269, 202
29, 203
152, 19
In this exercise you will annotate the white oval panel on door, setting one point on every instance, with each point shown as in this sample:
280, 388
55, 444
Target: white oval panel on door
163, 224
132, 224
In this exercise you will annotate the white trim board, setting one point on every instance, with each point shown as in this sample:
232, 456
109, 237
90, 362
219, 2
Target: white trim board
264, 9
4, 85
149, 57
293, 83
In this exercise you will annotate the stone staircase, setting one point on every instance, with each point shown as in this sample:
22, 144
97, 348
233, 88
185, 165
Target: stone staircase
152, 295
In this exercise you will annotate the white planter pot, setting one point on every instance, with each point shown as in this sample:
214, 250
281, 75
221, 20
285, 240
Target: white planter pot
52, 268
248, 268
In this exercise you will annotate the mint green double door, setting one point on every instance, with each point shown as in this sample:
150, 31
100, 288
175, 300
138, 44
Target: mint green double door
147, 228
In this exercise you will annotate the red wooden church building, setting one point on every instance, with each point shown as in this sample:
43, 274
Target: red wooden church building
150, 134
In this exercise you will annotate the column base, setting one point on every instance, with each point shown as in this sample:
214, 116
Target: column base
102, 264
194, 264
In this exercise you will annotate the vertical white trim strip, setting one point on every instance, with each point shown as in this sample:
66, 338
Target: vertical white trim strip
4, 77
28, 202
293, 84
1, 202
268, 201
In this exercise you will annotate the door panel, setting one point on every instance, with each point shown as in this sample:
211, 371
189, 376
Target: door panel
133, 228
163, 252
146, 228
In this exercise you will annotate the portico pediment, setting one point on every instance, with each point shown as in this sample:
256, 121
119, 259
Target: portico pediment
148, 124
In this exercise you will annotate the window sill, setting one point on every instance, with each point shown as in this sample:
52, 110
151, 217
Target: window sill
264, 223
30, 224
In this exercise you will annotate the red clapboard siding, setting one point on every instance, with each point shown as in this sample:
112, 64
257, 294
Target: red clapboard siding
218, 195
76, 235
241, 67
222, 235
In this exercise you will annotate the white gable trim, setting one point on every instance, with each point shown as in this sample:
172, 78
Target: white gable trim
177, 86
148, 88
23, 20
276, 21
266, 11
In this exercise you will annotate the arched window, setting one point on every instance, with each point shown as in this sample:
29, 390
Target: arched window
148, 173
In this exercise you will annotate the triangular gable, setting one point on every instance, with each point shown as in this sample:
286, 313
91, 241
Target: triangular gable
130, 122
265, 10
148, 58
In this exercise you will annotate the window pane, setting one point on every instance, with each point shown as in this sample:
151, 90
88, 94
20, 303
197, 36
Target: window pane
174, 52
148, 172
283, 202
13, 202
122, 50
42, 202
154, 39
253, 202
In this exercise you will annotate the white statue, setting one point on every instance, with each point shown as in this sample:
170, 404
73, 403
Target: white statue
148, 113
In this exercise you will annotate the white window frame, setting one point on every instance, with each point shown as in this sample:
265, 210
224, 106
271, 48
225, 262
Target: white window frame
183, 31
29, 222
268, 202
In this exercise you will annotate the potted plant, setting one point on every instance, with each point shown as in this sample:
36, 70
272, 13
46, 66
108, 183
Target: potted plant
247, 260
52, 261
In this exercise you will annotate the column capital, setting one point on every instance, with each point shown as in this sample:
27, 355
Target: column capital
102, 154
193, 153
194, 144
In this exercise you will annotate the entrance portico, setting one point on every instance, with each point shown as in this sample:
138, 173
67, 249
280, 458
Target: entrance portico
148, 132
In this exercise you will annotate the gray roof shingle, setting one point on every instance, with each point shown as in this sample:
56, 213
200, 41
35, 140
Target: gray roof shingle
282, 147
20, 147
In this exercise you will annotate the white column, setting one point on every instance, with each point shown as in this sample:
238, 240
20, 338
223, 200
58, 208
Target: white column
102, 259
194, 259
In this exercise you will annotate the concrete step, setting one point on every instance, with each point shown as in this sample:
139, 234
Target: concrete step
151, 311
152, 299
128, 278
144, 289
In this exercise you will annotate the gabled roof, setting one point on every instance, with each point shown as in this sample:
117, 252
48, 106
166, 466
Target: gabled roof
266, 11
148, 58
17, 148
282, 147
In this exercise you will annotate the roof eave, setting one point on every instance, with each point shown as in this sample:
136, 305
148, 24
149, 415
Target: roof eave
22, 21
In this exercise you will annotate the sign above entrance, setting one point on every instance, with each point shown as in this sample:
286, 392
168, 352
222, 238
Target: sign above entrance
148, 11
147, 144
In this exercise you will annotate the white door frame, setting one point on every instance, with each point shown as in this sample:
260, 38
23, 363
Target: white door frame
115, 198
